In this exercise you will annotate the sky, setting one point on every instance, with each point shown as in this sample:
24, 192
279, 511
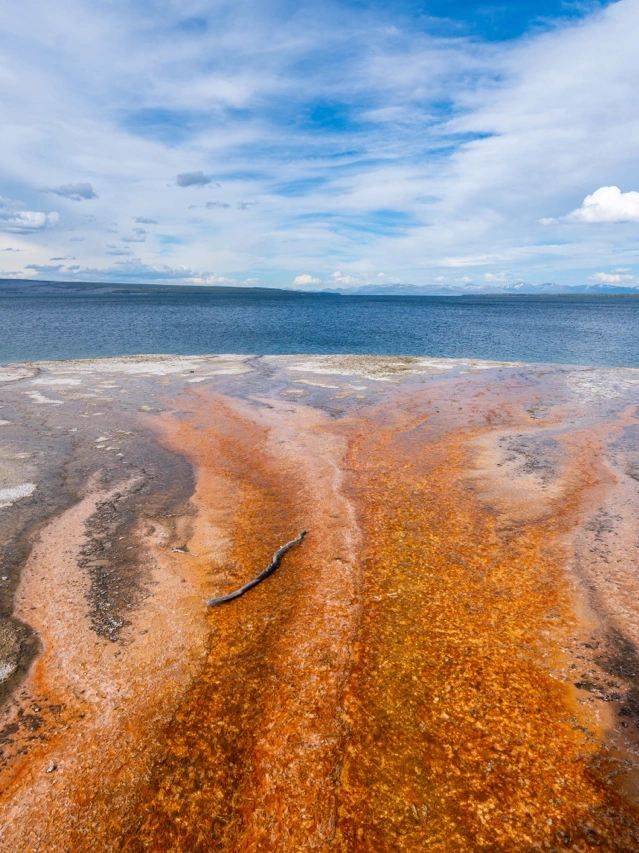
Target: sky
320, 144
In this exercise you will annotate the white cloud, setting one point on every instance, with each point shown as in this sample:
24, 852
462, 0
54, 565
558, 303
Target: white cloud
472, 261
26, 221
340, 277
608, 204
613, 278
305, 279
210, 279
362, 273
488, 139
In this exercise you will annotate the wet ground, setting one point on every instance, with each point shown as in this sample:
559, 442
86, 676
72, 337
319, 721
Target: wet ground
447, 662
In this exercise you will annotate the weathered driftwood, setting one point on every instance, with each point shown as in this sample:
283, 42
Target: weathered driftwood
273, 565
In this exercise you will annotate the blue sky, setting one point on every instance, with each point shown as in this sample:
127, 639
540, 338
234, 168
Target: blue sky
322, 144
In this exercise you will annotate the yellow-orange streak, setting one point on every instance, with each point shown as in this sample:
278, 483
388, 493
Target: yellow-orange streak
460, 737
453, 733
252, 750
390, 687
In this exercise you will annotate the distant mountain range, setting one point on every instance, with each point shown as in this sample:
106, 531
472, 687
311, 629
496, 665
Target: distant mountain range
516, 289
24, 287
13, 287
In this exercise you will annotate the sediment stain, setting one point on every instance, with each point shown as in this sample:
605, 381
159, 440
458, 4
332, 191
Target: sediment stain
81, 730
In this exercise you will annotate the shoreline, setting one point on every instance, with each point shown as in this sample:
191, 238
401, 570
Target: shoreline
144, 357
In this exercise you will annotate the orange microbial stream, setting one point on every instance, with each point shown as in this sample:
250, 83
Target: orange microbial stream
460, 737
252, 751
398, 684
420, 711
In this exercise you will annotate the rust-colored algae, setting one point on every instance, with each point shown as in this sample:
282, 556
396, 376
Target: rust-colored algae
251, 751
461, 738
401, 683
453, 732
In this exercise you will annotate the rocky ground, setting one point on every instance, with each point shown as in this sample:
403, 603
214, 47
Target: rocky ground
447, 662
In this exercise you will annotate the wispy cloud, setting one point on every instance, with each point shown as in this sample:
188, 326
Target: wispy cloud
76, 192
138, 235
193, 179
131, 270
116, 251
352, 137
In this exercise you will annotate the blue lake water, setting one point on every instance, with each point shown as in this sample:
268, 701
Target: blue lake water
43, 323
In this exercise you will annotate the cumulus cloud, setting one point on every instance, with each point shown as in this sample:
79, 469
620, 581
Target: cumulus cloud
210, 279
193, 179
82, 191
17, 221
340, 277
608, 204
143, 220
305, 278
613, 278
360, 277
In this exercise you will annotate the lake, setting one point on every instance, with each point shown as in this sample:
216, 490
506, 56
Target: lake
71, 321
